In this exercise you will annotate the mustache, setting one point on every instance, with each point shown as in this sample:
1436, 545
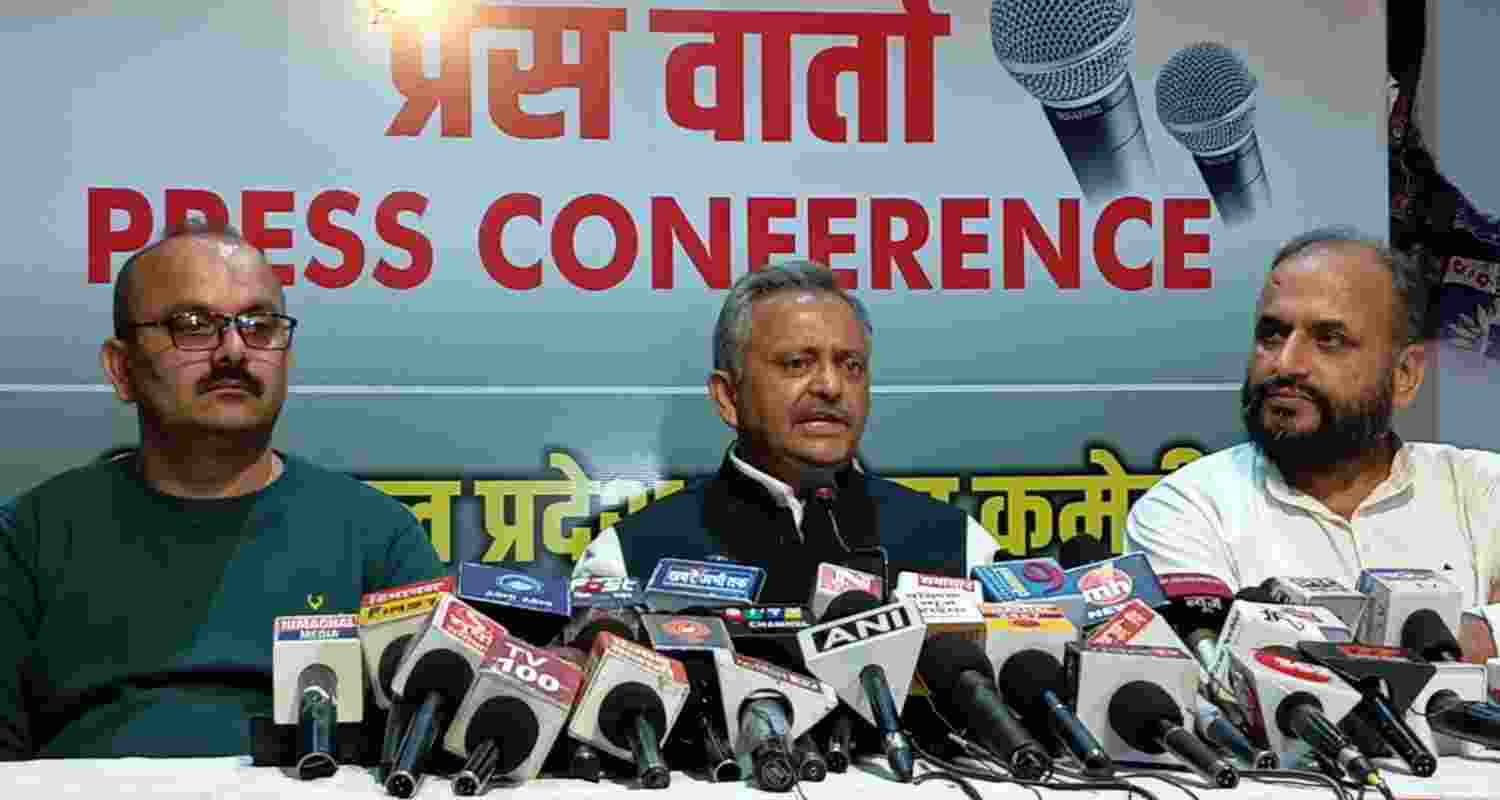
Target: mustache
823, 412
1259, 392
231, 374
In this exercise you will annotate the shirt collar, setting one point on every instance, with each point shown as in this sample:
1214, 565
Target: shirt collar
784, 495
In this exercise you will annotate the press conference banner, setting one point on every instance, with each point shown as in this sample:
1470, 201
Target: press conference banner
506, 229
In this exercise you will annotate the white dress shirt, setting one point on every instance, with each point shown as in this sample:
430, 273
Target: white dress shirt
604, 556
1232, 515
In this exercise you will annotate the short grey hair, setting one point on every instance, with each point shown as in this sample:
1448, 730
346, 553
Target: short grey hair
197, 228
1411, 288
732, 333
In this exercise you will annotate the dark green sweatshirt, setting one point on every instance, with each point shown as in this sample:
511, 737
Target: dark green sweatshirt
135, 623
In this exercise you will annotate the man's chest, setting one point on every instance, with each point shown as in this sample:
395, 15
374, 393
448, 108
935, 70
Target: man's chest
1280, 541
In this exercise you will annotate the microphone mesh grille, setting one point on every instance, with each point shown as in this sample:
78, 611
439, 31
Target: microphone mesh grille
1206, 84
1030, 33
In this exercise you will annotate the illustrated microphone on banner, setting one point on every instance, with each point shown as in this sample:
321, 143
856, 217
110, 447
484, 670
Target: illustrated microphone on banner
1205, 96
1075, 57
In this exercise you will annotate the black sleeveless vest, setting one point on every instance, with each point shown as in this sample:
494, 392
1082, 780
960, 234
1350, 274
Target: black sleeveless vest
733, 515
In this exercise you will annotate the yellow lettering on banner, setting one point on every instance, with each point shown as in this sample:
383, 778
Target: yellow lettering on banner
1029, 521
513, 540
436, 510
577, 488
1016, 537
940, 487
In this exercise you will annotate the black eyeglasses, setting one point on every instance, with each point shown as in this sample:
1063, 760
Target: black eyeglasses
204, 330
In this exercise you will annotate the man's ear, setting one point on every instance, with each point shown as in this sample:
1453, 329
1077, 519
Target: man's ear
114, 356
1411, 369
724, 394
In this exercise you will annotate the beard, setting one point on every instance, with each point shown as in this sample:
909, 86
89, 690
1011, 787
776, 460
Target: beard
1345, 430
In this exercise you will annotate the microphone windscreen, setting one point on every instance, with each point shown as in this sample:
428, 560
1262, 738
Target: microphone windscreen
947, 656
849, 603
1204, 97
1194, 601
321, 676
439, 670
1026, 675
1257, 594
390, 661
1135, 710
511, 724
1425, 632
1090, 42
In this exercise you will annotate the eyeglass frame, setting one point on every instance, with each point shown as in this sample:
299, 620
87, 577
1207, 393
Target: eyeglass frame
223, 322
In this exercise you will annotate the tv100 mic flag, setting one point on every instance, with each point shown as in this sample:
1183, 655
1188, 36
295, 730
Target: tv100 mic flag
512, 715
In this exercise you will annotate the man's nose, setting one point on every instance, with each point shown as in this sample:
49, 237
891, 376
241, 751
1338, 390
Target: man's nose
1294, 358
231, 347
827, 381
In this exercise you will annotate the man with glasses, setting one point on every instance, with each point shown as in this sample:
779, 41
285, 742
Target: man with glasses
137, 593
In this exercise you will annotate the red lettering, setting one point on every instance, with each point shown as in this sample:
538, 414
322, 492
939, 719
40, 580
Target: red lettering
255, 204
1106, 255
449, 91
564, 252
1021, 227
1180, 244
764, 243
956, 244
669, 224
180, 202
414, 242
320, 225
492, 246
885, 251
823, 243
104, 239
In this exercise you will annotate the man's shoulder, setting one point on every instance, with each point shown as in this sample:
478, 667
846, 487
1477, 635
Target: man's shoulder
349, 492
685, 501
888, 491
70, 485
1216, 471
1480, 467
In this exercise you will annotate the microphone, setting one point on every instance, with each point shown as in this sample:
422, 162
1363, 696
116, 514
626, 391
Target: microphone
387, 621
693, 640
1147, 718
1033, 681
1197, 606
532, 607
769, 708
1226, 737
678, 583
1295, 700
1425, 634
1205, 96
961, 682
860, 653
810, 764
840, 747
583, 760
631, 700
833, 580
1371, 670
1075, 56
437, 672
512, 714
1347, 605
312, 658
1449, 714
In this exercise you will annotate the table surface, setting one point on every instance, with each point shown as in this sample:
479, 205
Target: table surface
233, 777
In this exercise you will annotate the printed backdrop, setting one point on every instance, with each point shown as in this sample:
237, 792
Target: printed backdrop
507, 229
